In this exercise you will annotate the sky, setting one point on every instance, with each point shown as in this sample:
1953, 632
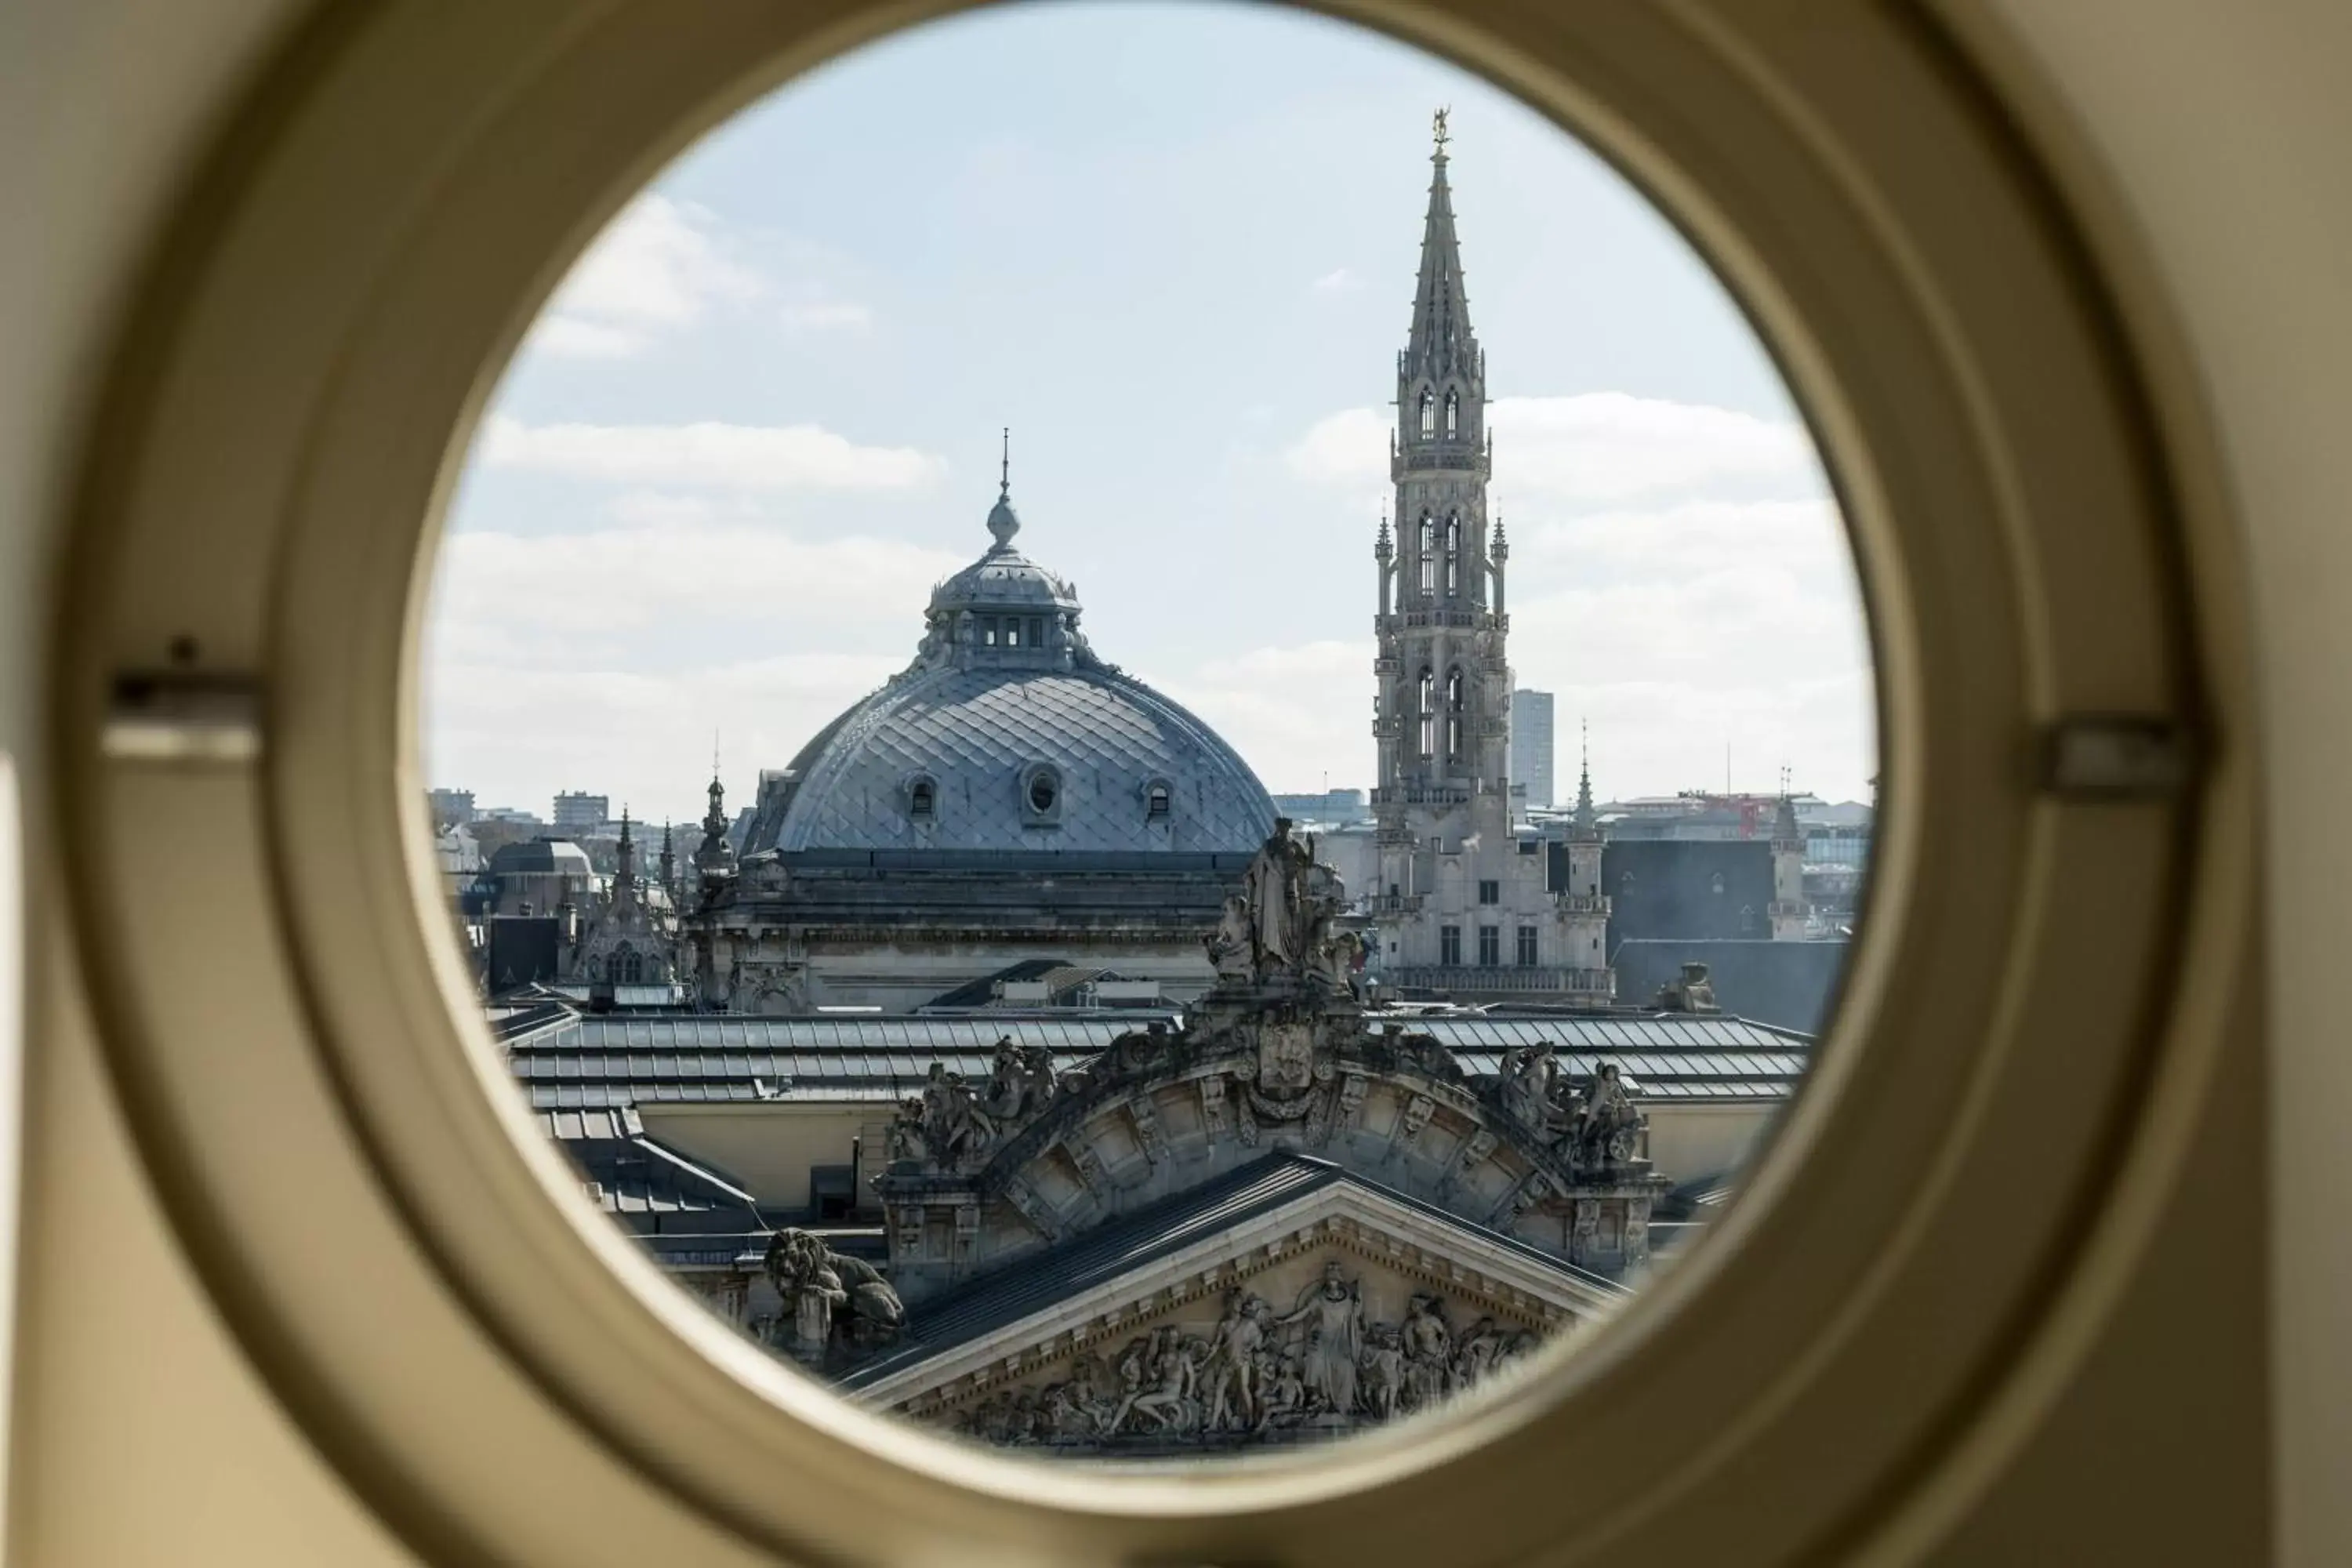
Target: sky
1172, 247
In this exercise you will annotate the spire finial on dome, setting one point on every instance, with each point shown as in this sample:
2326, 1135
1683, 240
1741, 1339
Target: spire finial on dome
1002, 521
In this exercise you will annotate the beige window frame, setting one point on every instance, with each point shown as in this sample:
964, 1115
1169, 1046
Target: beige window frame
505, 1378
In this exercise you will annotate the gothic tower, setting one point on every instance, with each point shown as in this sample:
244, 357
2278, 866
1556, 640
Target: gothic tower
1464, 907
1444, 706
1444, 686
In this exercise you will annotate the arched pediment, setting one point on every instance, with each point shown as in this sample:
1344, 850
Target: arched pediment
1207, 1320
1162, 1112
1280, 1058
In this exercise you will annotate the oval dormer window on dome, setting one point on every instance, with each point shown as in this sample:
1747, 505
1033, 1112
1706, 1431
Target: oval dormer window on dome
1158, 801
1041, 795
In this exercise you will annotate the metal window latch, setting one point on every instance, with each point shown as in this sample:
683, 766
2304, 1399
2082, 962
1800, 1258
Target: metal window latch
181, 717
2118, 756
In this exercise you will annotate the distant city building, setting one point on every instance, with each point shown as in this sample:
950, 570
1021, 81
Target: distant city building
578, 812
1531, 745
513, 814
551, 921
452, 807
1331, 807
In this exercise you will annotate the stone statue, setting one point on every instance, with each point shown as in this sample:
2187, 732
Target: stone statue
1271, 886
1477, 1352
1169, 1401
1335, 959
1383, 1371
906, 1132
954, 1131
1230, 1379
1428, 1352
1284, 1397
1134, 1375
1608, 1128
1020, 1083
823, 1293
1333, 1310
1530, 1085
1230, 945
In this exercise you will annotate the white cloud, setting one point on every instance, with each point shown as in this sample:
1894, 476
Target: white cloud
706, 455
1596, 449
613, 654
645, 737
1337, 280
574, 337
827, 316
657, 269
1294, 712
671, 563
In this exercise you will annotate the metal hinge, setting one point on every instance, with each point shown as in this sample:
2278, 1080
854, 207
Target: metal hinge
2118, 756
184, 717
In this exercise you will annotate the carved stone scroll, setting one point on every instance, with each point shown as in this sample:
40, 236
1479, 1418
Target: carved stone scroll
1034, 1208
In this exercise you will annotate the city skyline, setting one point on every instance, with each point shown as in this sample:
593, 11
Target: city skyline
759, 421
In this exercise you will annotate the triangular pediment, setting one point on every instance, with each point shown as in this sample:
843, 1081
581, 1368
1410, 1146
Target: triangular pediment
1074, 1329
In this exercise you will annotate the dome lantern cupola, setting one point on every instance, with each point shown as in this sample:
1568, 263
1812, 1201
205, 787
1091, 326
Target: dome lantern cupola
1003, 610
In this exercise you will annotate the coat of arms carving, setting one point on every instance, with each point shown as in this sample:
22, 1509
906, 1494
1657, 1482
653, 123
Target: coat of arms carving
1286, 1057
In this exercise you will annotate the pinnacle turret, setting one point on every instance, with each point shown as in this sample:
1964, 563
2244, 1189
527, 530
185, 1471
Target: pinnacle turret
1587, 819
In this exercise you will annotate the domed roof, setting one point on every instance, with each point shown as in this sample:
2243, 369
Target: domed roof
542, 857
1007, 733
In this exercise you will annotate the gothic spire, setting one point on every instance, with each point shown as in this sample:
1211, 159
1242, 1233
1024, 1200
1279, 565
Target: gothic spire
1441, 339
624, 878
715, 857
1586, 817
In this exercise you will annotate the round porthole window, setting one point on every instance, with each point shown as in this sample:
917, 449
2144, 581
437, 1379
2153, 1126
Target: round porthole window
393, 1228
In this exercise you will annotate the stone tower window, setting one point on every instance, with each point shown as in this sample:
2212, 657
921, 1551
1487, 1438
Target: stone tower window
1453, 715
1428, 553
1428, 414
1428, 710
1453, 555
1452, 414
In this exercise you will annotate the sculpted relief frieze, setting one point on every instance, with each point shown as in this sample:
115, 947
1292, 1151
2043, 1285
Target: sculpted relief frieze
1323, 1345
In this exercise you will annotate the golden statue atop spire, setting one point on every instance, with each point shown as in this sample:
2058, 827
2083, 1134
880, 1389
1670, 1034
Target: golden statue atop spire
1438, 132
